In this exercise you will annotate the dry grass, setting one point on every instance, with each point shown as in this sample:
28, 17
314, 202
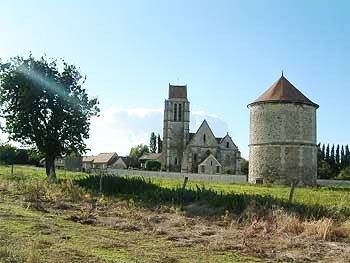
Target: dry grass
271, 235
322, 229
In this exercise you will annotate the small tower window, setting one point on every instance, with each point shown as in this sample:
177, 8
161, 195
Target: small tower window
211, 163
175, 112
227, 145
204, 138
217, 169
195, 158
180, 112
175, 161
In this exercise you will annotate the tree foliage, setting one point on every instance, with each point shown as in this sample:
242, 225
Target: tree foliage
12, 155
153, 143
44, 104
333, 161
244, 166
138, 151
160, 144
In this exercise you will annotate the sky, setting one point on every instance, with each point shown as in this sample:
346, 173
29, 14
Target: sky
227, 52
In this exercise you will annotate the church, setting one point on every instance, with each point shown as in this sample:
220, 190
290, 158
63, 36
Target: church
199, 152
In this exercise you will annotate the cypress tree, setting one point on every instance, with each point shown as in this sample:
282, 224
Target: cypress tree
332, 157
347, 156
327, 159
337, 156
342, 157
323, 152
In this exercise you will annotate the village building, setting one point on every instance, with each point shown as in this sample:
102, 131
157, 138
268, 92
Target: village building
200, 152
87, 162
100, 161
125, 162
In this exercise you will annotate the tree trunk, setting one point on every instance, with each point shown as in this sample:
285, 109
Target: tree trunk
50, 169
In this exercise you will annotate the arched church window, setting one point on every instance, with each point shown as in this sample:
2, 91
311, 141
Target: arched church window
227, 145
175, 112
175, 161
204, 138
180, 112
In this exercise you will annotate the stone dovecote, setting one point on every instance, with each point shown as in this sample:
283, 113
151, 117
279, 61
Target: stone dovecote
283, 136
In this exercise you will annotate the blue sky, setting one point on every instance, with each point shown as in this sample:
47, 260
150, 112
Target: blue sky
227, 52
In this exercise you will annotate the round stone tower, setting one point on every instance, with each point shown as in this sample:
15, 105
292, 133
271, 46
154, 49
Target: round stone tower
282, 145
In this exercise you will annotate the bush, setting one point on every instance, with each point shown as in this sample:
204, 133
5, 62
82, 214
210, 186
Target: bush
344, 174
244, 166
153, 165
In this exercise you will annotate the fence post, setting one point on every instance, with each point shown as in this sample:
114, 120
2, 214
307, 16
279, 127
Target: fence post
291, 192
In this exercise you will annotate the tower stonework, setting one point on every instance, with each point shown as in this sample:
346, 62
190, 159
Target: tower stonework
283, 136
176, 127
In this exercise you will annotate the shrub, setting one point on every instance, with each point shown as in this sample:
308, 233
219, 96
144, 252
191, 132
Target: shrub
344, 174
153, 165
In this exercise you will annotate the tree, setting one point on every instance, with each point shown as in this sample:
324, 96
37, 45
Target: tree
44, 104
7, 154
153, 143
337, 156
244, 166
347, 156
324, 170
160, 144
327, 156
332, 157
138, 151
342, 157
323, 152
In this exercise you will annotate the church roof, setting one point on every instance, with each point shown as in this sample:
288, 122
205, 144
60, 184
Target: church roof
283, 91
210, 156
177, 91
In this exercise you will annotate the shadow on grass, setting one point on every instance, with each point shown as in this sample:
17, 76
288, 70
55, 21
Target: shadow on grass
147, 192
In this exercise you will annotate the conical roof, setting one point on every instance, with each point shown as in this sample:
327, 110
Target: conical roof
283, 91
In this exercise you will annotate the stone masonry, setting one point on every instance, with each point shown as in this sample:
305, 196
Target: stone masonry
283, 136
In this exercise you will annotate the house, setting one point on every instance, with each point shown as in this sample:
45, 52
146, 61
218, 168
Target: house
104, 160
123, 162
87, 162
149, 156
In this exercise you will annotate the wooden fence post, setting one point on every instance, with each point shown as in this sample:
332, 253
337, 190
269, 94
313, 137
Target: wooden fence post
292, 187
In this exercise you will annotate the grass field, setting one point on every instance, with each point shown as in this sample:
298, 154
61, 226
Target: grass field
138, 220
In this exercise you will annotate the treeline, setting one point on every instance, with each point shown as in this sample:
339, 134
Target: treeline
333, 161
11, 155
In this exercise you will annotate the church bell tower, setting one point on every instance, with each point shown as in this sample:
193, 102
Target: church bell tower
176, 127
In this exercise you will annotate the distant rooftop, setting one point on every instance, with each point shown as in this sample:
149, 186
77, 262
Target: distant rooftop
177, 91
283, 91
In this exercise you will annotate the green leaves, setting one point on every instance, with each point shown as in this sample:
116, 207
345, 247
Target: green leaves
43, 103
